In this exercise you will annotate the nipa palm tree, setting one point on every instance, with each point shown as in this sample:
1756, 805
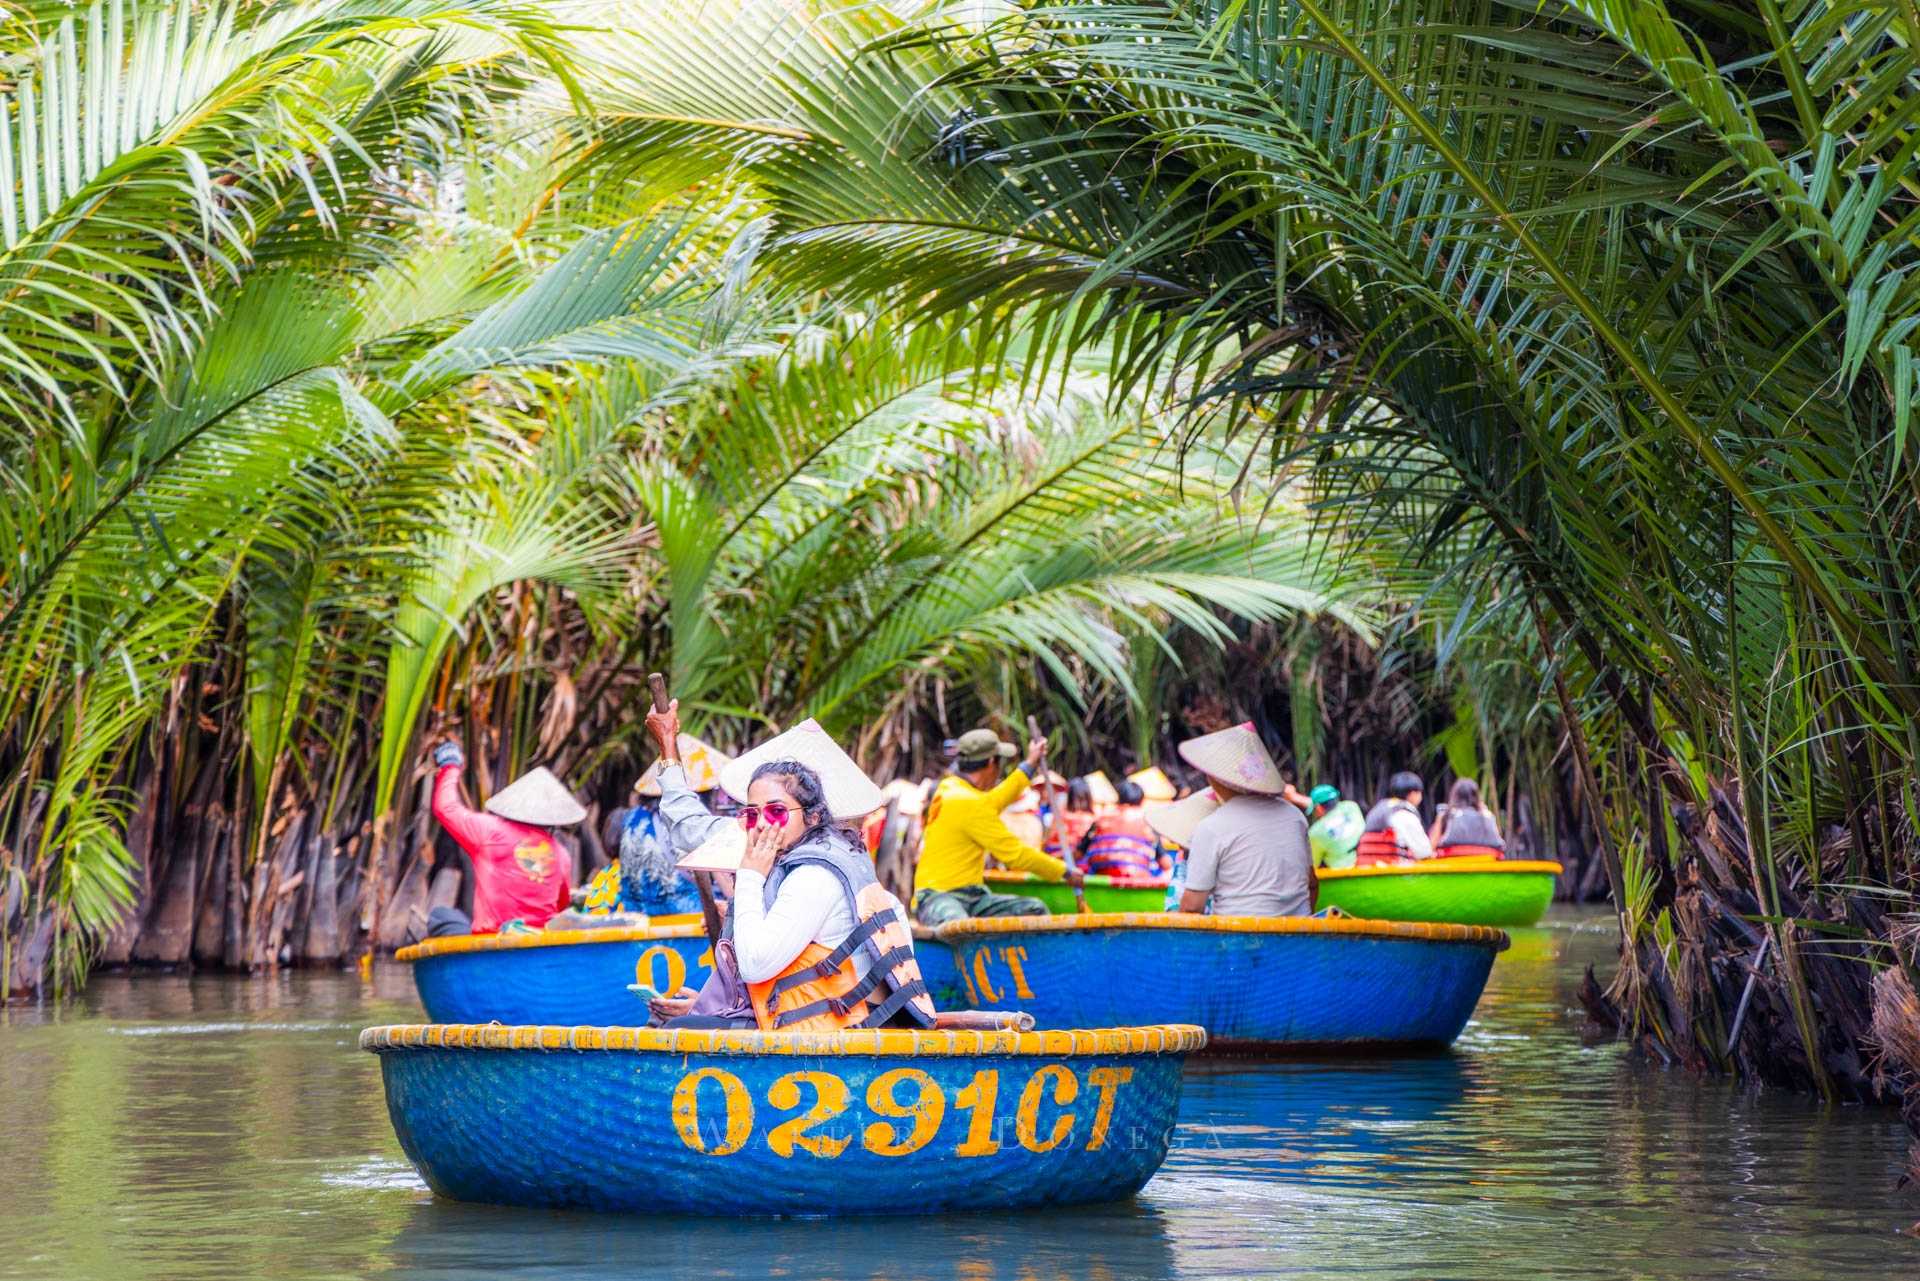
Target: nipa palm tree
1611, 302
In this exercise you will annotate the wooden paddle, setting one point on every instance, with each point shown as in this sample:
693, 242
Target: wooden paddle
702, 881
1053, 816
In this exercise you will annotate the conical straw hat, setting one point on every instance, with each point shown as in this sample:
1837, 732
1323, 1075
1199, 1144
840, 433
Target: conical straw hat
1175, 821
1154, 784
1237, 758
1100, 790
702, 763
537, 798
850, 793
911, 795
721, 852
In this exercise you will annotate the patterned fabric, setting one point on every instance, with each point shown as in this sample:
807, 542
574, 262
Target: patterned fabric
603, 892
643, 879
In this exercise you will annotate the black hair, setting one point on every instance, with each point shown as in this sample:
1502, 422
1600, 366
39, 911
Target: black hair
1079, 795
1465, 795
611, 829
1129, 792
805, 787
1404, 782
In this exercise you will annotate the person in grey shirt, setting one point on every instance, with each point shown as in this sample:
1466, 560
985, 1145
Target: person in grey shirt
1251, 856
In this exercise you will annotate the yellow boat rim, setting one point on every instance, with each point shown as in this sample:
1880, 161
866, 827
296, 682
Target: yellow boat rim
451, 944
1168, 1038
1430, 931
1442, 867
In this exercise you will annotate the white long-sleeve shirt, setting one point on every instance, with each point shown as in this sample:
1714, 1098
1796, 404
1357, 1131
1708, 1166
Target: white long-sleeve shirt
810, 908
1413, 837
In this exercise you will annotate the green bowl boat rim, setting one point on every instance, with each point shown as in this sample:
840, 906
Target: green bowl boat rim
1443, 867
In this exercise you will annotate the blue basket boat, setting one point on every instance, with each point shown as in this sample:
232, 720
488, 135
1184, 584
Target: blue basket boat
781, 1123
1255, 983
555, 976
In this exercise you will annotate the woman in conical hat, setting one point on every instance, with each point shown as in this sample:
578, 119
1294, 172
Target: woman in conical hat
812, 937
1249, 857
520, 869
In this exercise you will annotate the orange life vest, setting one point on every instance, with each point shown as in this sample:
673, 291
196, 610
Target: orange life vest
1068, 827
822, 991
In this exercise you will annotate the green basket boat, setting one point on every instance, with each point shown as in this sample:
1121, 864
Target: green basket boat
1104, 893
1461, 891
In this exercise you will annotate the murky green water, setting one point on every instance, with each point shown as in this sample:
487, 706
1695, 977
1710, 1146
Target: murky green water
221, 1127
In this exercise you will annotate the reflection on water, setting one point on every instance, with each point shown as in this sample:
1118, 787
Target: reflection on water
226, 1127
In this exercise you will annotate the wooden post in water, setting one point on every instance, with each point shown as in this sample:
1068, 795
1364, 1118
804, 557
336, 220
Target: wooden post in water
1053, 816
702, 881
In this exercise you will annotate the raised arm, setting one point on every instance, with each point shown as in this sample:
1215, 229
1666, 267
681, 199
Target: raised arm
464, 824
992, 834
688, 824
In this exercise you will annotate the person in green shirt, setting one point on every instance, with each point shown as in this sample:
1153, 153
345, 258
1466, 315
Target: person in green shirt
1334, 825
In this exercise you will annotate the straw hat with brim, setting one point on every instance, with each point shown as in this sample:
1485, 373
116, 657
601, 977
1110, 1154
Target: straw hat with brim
701, 762
1175, 821
850, 793
537, 798
721, 852
910, 795
1154, 785
1100, 789
1237, 758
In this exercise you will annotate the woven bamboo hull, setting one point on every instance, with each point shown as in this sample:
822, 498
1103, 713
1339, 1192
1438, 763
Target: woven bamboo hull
568, 977
939, 973
751, 1123
1104, 893
1506, 893
1255, 983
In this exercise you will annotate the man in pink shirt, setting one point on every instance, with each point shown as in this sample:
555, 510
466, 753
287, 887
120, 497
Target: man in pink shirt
520, 869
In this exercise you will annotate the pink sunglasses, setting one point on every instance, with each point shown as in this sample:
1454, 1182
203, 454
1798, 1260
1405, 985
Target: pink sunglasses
774, 812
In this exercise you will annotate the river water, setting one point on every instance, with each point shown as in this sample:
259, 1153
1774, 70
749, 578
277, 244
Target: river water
227, 1127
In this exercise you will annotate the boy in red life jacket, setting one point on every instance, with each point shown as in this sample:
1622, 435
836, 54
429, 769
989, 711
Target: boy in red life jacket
1120, 843
520, 869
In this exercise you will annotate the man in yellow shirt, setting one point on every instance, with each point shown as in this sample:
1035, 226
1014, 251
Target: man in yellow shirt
964, 826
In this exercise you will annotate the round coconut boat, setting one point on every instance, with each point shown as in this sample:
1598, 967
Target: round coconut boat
556, 976
1104, 893
781, 1123
1261, 984
1510, 893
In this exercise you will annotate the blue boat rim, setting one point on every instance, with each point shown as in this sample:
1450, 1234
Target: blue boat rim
1169, 1038
1352, 926
455, 944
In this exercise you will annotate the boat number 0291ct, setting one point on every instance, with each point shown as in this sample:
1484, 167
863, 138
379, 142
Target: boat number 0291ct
908, 1108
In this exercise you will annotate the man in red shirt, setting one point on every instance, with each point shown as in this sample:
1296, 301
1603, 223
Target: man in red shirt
520, 869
